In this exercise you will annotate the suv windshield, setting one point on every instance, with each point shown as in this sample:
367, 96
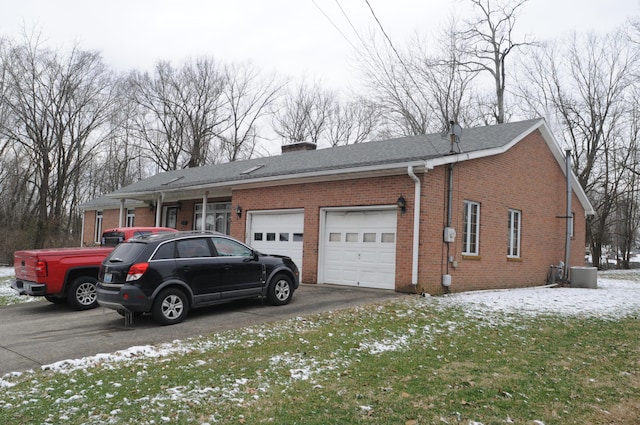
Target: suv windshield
126, 252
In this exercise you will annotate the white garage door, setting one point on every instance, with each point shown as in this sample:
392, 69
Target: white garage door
360, 248
278, 233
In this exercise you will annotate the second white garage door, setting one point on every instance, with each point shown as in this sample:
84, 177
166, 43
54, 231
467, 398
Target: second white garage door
360, 248
278, 232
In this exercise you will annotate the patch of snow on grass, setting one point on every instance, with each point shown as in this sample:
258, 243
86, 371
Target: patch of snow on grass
613, 299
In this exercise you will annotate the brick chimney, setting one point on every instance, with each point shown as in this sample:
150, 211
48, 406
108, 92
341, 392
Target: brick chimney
298, 146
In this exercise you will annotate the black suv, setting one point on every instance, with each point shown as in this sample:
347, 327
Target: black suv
167, 274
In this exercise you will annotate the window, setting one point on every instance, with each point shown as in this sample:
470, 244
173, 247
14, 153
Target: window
131, 217
193, 248
513, 238
388, 238
335, 237
471, 228
229, 248
98, 228
352, 237
217, 217
369, 237
257, 236
165, 251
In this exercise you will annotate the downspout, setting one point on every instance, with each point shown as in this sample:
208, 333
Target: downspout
449, 210
416, 226
567, 248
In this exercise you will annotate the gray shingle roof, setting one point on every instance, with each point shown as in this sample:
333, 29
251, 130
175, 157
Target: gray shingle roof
371, 154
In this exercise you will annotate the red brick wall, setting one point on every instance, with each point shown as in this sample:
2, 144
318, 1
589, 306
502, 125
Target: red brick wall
525, 178
314, 196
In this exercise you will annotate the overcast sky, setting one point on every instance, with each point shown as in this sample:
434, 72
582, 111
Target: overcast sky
293, 37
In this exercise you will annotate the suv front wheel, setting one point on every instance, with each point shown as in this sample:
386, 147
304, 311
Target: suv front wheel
170, 307
280, 290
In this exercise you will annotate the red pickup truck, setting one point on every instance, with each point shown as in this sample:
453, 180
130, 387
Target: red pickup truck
69, 274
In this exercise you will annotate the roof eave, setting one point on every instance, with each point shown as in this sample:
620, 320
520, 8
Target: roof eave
307, 177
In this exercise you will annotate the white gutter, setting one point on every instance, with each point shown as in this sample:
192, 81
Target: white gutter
416, 226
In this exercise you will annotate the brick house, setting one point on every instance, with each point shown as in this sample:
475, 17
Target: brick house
410, 214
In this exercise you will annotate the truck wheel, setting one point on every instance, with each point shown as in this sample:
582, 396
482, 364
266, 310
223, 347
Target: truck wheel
170, 307
55, 300
82, 294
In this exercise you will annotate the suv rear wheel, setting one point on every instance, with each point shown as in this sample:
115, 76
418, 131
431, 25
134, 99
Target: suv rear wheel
170, 307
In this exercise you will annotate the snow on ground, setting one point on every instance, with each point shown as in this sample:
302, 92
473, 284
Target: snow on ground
617, 296
7, 293
6, 271
613, 299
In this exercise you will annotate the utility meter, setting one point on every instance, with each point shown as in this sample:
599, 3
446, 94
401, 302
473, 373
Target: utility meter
449, 234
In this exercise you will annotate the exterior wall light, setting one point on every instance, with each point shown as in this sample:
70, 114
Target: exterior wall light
402, 204
239, 211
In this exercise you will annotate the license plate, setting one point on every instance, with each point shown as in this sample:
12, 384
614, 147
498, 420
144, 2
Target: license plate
107, 277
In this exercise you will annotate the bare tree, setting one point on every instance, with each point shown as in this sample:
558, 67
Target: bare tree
420, 90
179, 111
448, 82
352, 122
58, 106
303, 115
399, 95
249, 97
585, 88
121, 160
490, 40
628, 206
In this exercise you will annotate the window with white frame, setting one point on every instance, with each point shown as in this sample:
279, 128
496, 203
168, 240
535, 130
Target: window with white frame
513, 239
471, 228
217, 217
131, 217
97, 237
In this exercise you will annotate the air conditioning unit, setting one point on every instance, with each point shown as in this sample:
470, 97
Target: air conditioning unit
449, 234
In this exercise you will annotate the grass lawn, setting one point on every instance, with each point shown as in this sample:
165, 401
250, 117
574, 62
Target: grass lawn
408, 361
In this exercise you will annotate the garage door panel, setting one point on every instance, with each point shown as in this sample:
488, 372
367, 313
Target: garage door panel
360, 248
278, 233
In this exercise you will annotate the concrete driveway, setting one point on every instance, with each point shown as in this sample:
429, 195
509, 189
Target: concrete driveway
40, 333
